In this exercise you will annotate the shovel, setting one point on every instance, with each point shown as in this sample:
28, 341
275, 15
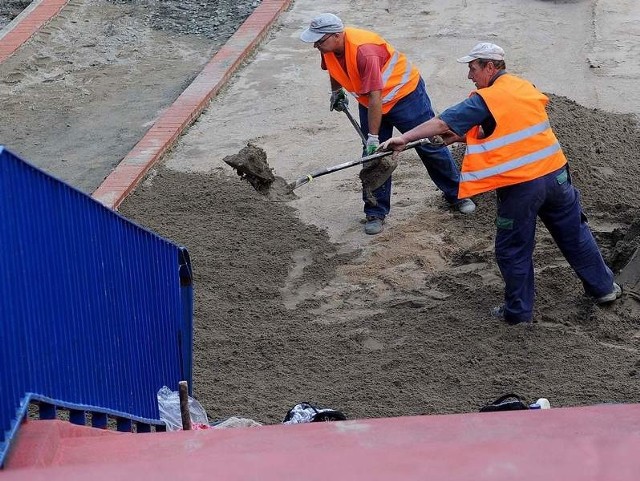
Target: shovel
356, 126
251, 165
376, 172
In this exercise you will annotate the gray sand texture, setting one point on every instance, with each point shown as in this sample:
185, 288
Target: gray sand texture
294, 302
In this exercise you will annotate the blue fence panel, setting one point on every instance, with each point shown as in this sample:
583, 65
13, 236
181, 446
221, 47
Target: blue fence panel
95, 311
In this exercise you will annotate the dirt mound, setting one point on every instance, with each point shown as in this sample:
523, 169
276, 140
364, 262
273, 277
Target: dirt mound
283, 315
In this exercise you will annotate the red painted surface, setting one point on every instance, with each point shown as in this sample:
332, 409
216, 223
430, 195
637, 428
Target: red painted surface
39, 442
189, 105
571, 444
22, 31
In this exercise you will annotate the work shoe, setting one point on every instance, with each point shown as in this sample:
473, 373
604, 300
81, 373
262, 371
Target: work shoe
498, 313
373, 225
612, 296
465, 206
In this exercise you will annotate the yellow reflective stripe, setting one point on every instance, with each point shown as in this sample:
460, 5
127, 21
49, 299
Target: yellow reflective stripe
391, 95
405, 80
386, 74
508, 139
389, 70
511, 165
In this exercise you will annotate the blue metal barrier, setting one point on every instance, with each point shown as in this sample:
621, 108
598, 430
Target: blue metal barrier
96, 313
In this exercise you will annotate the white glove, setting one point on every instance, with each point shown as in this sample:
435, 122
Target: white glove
372, 144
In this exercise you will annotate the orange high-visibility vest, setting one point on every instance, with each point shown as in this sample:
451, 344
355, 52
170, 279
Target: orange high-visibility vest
521, 148
399, 76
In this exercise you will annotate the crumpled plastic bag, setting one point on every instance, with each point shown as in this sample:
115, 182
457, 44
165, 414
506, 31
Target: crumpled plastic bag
308, 413
169, 406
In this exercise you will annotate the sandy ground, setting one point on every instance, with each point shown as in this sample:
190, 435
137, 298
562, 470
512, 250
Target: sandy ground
294, 303
398, 323
80, 94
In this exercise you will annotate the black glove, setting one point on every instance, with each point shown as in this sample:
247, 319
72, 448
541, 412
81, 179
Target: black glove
339, 100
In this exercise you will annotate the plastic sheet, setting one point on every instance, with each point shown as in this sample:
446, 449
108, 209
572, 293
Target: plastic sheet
169, 406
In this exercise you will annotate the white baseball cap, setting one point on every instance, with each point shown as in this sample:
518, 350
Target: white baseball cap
320, 26
485, 51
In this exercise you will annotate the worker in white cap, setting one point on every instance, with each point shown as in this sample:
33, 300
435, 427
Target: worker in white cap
512, 149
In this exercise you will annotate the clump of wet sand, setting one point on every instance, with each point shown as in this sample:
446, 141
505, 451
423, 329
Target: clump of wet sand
252, 166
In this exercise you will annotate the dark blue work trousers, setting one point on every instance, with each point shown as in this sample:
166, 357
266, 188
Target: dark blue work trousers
408, 113
557, 202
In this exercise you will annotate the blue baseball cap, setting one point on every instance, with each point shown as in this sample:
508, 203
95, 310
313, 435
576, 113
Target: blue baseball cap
320, 26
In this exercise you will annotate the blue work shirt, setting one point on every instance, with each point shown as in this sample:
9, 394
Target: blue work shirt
471, 112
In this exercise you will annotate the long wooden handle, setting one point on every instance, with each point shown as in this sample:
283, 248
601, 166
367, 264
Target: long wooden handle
345, 165
183, 390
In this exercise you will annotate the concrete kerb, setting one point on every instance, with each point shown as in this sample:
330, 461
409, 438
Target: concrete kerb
30, 20
189, 105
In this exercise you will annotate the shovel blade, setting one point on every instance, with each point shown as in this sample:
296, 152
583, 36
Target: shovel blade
375, 173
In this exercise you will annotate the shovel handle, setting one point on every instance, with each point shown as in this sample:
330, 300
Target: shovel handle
435, 141
356, 126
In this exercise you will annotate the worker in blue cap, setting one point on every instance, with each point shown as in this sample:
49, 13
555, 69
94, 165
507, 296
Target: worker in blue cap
390, 93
